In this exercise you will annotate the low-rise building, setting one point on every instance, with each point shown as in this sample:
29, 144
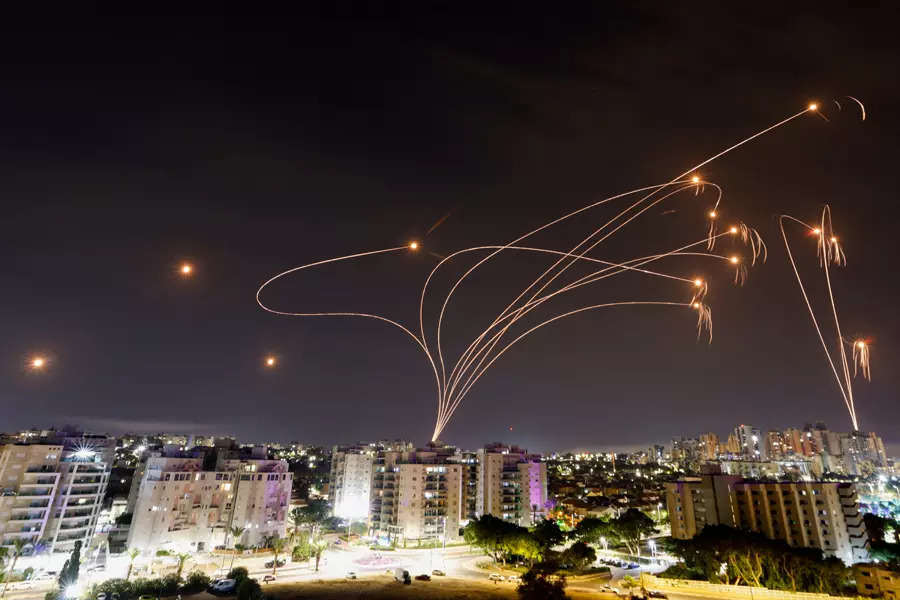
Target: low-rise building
877, 580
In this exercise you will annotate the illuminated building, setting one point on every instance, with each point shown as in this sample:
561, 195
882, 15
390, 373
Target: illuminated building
351, 481
511, 484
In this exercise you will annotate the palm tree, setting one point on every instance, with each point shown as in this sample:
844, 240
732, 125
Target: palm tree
181, 558
317, 547
277, 545
132, 554
236, 533
297, 519
19, 545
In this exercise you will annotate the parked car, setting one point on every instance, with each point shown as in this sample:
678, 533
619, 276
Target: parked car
271, 564
147, 597
222, 586
269, 578
351, 574
423, 577
656, 594
101, 596
438, 573
495, 577
514, 578
401, 575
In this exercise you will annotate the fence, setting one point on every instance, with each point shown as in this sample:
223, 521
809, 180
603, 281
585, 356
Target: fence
719, 590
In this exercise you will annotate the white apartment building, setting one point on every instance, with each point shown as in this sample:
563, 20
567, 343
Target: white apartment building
511, 484
803, 514
179, 506
351, 481
51, 491
416, 496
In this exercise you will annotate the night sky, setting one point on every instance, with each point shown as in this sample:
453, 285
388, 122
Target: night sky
249, 144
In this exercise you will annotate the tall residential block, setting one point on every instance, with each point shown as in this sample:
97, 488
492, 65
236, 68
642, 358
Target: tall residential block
511, 484
181, 506
351, 480
823, 515
52, 488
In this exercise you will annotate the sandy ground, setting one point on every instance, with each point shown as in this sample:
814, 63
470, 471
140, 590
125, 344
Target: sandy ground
384, 587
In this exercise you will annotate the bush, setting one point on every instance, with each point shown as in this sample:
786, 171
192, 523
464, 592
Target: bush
197, 581
239, 574
116, 586
537, 586
168, 585
146, 587
53, 594
249, 589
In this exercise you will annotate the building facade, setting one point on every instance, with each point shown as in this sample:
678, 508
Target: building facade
351, 481
511, 484
803, 514
52, 488
182, 507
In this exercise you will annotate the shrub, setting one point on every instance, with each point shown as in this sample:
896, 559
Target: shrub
197, 581
249, 589
53, 594
239, 574
168, 585
116, 586
537, 586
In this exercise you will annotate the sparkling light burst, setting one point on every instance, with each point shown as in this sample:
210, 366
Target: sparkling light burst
454, 379
830, 252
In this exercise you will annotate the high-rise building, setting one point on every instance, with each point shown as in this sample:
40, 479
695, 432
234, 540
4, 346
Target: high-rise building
750, 444
417, 495
351, 480
52, 487
708, 446
823, 515
511, 484
180, 505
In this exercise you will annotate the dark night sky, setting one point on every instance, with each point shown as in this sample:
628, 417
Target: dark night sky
250, 144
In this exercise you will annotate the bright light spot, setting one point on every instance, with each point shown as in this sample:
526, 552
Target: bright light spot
696, 305
712, 214
186, 269
698, 282
813, 106
38, 362
73, 591
84, 453
734, 260
733, 229
695, 179
816, 231
414, 245
270, 361
833, 240
860, 344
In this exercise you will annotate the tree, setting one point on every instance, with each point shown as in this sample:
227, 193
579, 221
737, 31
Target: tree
631, 527
629, 583
19, 545
249, 589
591, 530
536, 586
317, 547
492, 535
277, 545
313, 515
182, 558
132, 554
579, 555
69, 573
548, 534
297, 520
525, 545
236, 533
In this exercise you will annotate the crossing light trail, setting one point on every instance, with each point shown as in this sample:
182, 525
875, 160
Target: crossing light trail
684, 289
830, 252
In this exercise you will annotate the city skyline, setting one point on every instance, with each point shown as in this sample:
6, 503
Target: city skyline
221, 163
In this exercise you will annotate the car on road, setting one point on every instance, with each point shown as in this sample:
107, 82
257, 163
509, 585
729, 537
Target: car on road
496, 577
147, 597
351, 574
423, 577
656, 594
514, 579
222, 586
438, 573
269, 578
101, 596
271, 564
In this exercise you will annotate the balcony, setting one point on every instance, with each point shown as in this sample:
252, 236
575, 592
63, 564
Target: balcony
37, 493
26, 518
43, 481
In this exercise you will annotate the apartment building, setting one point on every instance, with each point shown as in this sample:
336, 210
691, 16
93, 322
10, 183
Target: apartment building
181, 506
803, 514
417, 495
511, 484
52, 487
877, 580
351, 480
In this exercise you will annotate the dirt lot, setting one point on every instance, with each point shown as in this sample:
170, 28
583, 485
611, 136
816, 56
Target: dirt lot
384, 587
